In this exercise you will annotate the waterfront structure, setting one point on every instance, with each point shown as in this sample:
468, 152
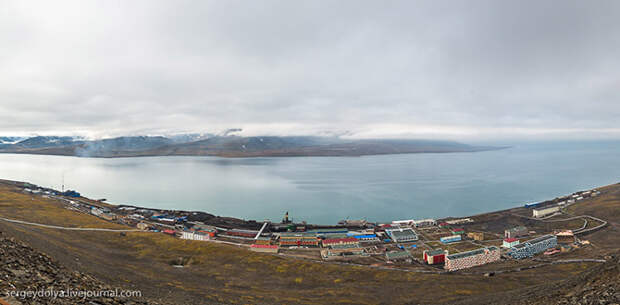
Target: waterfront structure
353, 223
327, 231
472, 258
403, 223
433, 257
533, 246
544, 211
460, 221
299, 239
510, 242
241, 233
366, 237
516, 232
402, 235
450, 239
264, 248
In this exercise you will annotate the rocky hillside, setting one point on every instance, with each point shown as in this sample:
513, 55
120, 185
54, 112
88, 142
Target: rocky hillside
24, 269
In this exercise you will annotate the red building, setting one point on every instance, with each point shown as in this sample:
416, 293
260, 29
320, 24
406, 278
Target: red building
435, 256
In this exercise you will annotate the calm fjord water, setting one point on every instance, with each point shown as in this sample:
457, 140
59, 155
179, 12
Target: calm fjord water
328, 189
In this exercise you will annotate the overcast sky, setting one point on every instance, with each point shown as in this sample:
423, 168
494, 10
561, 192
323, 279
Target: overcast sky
420, 69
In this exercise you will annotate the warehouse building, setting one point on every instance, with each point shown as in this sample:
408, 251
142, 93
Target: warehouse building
545, 211
433, 257
450, 239
533, 246
472, 258
516, 232
402, 235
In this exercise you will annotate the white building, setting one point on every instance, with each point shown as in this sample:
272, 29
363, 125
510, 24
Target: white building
544, 211
424, 222
195, 236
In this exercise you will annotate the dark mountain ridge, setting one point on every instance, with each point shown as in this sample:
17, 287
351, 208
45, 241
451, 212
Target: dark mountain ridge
230, 146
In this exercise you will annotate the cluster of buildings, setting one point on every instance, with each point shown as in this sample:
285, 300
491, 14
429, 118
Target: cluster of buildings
543, 209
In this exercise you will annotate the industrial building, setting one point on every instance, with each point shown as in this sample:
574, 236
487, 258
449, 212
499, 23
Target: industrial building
516, 232
472, 258
433, 257
402, 235
241, 233
545, 211
533, 246
450, 239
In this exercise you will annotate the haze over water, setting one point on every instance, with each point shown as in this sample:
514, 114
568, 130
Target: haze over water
328, 189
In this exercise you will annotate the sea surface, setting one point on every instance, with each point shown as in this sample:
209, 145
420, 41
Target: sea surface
327, 189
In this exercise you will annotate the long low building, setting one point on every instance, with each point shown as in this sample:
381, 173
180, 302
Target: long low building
533, 246
544, 211
299, 239
472, 258
340, 253
264, 248
424, 223
197, 235
340, 241
450, 239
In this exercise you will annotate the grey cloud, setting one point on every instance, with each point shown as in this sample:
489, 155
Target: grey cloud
411, 68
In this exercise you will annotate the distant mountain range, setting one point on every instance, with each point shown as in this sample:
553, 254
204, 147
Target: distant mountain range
225, 146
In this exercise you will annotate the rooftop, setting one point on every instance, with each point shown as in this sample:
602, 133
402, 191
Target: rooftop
471, 253
397, 254
435, 252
